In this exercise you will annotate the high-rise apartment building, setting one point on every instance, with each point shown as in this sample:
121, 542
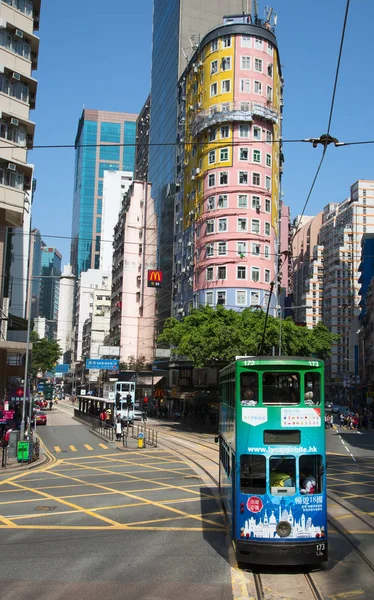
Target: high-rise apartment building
142, 142
103, 132
177, 28
50, 287
19, 47
65, 314
228, 169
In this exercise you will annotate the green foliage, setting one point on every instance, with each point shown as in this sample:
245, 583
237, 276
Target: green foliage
135, 364
216, 335
45, 354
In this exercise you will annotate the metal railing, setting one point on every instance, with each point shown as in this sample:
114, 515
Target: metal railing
150, 435
104, 428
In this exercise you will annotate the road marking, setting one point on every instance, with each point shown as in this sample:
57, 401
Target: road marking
119, 527
57, 449
104, 446
88, 446
344, 595
73, 448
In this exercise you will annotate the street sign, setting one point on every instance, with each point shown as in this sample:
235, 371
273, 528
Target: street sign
154, 278
102, 363
62, 368
109, 350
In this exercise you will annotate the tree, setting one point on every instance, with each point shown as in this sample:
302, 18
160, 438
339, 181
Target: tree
135, 364
216, 335
45, 354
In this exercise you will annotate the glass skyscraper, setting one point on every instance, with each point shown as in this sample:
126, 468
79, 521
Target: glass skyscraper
177, 28
50, 287
96, 152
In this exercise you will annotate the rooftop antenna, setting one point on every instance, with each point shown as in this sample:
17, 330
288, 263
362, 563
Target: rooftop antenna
269, 13
255, 10
275, 20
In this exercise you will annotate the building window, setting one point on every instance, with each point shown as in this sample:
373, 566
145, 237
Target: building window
255, 273
224, 154
256, 179
242, 224
270, 49
256, 249
257, 88
221, 297
209, 298
267, 205
13, 179
268, 160
15, 89
214, 67
246, 62
209, 250
214, 46
213, 89
270, 70
12, 133
255, 299
255, 226
211, 202
242, 201
258, 65
223, 178
257, 133
221, 272
243, 177
15, 44
222, 201
225, 107
269, 93
241, 273
245, 86
267, 228
212, 135
222, 248
269, 136
241, 249
258, 44
209, 274
256, 202
225, 131
243, 153
256, 156
222, 225
244, 131
211, 180
226, 63
267, 275
212, 157
241, 298
210, 226
267, 251
244, 106
268, 182
226, 86
226, 41
246, 41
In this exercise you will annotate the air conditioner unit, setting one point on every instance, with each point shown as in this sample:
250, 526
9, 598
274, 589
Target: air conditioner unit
12, 167
180, 310
199, 104
14, 121
191, 107
139, 278
201, 63
184, 270
197, 171
16, 76
193, 177
189, 244
195, 70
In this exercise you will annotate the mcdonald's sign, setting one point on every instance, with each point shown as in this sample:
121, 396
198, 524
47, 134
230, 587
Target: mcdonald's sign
154, 278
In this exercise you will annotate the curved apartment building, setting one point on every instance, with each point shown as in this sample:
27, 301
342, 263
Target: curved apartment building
228, 169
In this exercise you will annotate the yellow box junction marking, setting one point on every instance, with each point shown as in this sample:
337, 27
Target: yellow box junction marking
88, 447
73, 448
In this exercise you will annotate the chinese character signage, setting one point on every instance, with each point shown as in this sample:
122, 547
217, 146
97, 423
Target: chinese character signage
154, 278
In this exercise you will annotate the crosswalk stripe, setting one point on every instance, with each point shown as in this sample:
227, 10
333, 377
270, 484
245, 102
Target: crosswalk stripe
88, 447
57, 449
103, 446
73, 449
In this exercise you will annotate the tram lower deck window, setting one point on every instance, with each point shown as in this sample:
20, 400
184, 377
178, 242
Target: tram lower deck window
252, 474
310, 473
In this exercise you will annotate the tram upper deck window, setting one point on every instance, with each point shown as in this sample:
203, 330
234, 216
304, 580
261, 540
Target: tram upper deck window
248, 389
310, 474
312, 392
283, 475
252, 474
281, 388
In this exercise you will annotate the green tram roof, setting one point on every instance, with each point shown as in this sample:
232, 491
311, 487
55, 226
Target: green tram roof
276, 360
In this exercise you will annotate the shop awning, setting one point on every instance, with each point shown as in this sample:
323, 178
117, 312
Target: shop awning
147, 381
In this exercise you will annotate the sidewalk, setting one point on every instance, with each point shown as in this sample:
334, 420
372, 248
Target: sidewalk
13, 466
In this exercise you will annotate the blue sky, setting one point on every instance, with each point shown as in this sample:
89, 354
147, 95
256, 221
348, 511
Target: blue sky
98, 55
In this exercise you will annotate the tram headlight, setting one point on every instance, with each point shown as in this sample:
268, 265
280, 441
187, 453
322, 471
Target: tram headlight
283, 529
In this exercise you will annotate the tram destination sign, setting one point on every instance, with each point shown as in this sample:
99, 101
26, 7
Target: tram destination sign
102, 364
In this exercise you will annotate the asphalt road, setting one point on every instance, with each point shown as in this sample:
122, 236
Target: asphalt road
100, 523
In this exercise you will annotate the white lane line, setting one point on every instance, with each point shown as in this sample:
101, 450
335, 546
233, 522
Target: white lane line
347, 448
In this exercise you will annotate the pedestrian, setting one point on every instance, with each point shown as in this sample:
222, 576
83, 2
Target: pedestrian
50, 405
331, 420
341, 420
118, 429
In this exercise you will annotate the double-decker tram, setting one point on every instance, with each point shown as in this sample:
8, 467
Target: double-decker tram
272, 459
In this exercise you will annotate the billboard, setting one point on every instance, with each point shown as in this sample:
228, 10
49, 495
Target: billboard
109, 350
154, 278
102, 363
62, 368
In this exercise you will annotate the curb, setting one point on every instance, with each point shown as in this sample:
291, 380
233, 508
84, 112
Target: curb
21, 468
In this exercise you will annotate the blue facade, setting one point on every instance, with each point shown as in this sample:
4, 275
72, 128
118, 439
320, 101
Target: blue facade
94, 155
50, 286
366, 269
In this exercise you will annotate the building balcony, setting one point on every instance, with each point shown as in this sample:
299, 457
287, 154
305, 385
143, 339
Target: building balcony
15, 185
26, 17
232, 111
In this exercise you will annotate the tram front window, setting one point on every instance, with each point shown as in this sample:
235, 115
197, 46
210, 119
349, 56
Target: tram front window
248, 389
281, 388
283, 475
252, 474
310, 474
312, 392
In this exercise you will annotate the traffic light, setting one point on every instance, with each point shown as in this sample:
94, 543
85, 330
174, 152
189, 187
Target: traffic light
118, 398
128, 399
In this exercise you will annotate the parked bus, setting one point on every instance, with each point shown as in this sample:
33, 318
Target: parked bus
272, 459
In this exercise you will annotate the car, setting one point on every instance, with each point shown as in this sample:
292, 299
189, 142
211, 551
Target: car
328, 406
40, 417
138, 415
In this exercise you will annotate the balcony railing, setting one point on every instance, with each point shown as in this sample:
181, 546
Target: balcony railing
232, 111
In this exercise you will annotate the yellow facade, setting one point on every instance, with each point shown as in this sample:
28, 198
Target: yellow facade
277, 129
